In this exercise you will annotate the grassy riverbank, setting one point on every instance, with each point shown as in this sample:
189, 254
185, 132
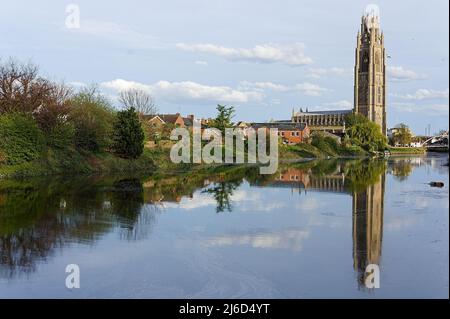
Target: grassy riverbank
73, 162
407, 150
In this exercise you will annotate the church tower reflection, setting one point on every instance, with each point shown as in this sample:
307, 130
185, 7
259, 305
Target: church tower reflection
368, 207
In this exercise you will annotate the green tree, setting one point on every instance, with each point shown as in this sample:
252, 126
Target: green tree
223, 118
402, 136
21, 140
128, 135
364, 133
92, 118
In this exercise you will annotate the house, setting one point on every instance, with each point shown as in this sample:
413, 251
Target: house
290, 133
160, 120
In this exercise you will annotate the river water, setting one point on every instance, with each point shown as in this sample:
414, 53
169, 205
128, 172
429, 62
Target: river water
308, 231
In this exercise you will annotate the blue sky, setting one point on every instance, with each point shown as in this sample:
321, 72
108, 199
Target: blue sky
264, 58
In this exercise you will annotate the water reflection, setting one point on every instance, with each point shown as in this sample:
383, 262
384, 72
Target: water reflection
368, 208
40, 217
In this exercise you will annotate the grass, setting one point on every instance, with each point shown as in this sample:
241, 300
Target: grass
407, 150
321, 148
70, 161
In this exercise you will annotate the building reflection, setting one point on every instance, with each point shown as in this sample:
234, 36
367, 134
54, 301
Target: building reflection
37, 218
365, 182
367, 215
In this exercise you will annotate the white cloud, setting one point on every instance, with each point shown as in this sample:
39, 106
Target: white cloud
317, 73
400, 74
287, 239
187, 90
344, 104
261, 86
424, 94
310, 89
115, 32
304, 88
122, 85
292, 55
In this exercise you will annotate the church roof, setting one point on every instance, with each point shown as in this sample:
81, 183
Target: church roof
333, 112
280, 125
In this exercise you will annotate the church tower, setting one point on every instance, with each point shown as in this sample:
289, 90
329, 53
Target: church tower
370, 71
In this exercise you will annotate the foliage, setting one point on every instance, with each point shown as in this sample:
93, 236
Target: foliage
21, 140
92, 117
223, 118
402, 135
364, 133
325, 143
22, 90
128, 135
61, 136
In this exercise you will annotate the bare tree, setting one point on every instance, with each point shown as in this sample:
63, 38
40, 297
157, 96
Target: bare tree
55, 107
139, 99
21, 88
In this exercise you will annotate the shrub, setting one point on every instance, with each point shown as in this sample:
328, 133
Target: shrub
128, 135
61, 136
92, 118
21, 140
364, 133
325, 143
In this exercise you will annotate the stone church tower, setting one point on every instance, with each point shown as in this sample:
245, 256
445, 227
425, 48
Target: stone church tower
370, 75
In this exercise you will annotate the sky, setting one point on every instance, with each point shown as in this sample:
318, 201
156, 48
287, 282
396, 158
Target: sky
265, 58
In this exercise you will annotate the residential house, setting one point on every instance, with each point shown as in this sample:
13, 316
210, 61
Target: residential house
160, 120
290, 133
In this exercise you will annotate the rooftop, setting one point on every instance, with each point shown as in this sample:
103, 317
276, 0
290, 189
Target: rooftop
280, 125
333, 112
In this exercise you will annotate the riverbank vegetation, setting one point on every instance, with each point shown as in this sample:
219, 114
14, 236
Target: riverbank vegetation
47, 128
362, 138
407, 150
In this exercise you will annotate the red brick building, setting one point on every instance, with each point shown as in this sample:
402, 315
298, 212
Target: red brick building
290, 133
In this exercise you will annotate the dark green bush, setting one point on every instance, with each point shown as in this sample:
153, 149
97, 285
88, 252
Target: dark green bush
128, 135
21, 140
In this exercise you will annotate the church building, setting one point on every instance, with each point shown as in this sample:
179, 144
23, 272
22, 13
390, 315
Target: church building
369, 83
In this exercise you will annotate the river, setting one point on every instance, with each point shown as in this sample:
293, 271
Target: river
308, 231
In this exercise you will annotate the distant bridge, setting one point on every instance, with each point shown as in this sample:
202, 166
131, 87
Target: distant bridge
438, 142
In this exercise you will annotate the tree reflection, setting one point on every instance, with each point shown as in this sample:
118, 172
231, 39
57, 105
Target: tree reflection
222, 192
401, 169
38, 217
